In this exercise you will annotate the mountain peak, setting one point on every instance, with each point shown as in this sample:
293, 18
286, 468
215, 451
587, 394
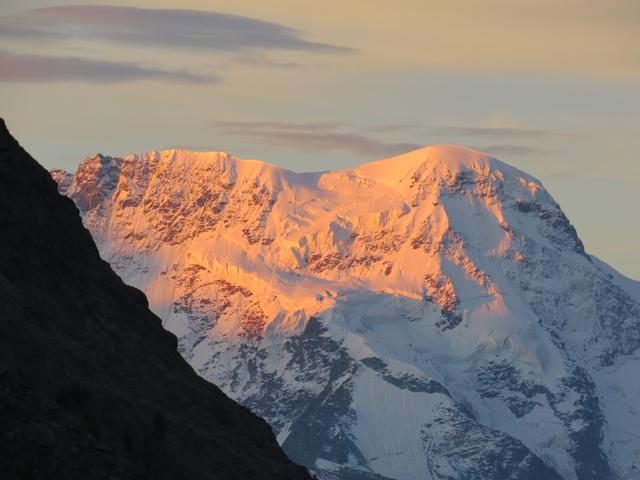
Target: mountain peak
439, 279
441, 160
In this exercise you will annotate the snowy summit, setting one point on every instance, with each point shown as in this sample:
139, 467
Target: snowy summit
431, 315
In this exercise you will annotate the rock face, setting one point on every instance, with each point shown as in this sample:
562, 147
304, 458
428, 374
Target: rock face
91, 385
428, 316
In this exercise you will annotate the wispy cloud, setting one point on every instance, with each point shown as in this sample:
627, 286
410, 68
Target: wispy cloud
173, 28
262, 60
38, 68
239, 126
392, 127
514, 132
325, 136
368, 140
516, 139
512, 149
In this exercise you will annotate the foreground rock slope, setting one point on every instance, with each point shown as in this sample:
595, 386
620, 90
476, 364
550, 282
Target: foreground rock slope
91, 385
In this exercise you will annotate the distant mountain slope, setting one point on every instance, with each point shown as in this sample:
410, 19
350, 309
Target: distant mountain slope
428, 316
91, 386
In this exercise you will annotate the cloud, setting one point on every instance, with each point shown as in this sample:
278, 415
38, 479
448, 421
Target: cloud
173, 28
325, 136
275, 125
511, 149
364, 140
38, 68
392, 127
264, 61
494, 131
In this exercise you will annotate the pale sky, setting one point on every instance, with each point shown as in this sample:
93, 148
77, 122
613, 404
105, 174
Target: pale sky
551, 87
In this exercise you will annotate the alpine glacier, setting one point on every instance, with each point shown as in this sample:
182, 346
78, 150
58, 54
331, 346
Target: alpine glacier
428, 316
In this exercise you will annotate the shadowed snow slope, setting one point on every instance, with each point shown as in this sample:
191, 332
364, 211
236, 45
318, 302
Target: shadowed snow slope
91, 386
431, 315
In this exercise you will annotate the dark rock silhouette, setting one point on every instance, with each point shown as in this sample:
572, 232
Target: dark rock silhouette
91, 386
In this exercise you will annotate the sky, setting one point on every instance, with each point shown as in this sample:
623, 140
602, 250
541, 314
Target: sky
550, 87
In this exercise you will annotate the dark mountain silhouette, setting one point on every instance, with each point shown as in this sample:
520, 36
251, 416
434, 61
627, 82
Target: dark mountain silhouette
91, 386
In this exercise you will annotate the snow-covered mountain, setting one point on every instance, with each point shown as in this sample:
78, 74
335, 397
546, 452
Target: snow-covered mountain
429, 316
